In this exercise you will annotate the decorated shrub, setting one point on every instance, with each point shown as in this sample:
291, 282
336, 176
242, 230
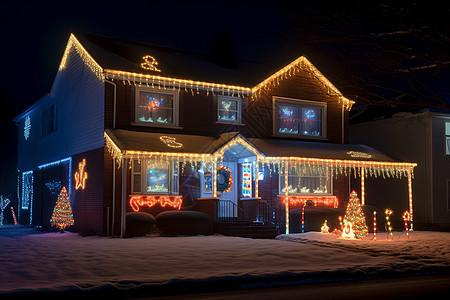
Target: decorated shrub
139, 224
176, 222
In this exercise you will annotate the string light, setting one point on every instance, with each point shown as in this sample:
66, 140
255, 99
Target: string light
375, 225
81, 175
174, 201
150, 63
406, 218
13, 215
62, 216
388, 226
230, 178
316, 200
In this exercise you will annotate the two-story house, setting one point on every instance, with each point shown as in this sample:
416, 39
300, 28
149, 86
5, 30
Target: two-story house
133, 127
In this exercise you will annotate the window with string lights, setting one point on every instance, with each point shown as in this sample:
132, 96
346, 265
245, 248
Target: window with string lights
152, 176
156, 108
298, 118
307, 180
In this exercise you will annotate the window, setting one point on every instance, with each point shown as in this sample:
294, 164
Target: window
307, 180
447, 138
156, 107
299, 118
229, 109
49, 120
154, 177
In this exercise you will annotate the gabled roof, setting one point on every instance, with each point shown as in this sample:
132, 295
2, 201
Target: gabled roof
140, 63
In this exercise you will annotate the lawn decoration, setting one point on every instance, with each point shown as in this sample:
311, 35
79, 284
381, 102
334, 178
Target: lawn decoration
374, 225
355, 216
13, 215
387, 225
3, 204
324, 228
348, 232
406, 218
62, 216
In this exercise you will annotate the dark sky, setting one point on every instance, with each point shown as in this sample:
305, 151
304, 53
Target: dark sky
385, 52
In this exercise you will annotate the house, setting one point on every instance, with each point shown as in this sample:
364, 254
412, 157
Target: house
423, 137
132, 127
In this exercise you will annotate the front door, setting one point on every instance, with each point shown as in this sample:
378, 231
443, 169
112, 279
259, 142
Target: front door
228, 203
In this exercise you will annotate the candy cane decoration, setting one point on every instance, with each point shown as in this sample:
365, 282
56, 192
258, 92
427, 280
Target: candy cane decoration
406, 218
14, 215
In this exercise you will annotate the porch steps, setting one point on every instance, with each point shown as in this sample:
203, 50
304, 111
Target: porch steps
247, 230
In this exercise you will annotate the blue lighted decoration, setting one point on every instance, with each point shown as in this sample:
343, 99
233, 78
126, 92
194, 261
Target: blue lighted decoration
27, 128
58, 162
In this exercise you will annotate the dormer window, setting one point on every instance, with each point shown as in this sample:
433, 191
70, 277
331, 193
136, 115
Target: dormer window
229, 109
299, 118
156, 108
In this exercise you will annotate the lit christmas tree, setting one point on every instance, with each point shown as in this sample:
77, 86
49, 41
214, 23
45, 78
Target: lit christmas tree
62, 216
355, 215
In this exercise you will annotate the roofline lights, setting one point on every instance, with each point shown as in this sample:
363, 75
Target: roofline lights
193, 86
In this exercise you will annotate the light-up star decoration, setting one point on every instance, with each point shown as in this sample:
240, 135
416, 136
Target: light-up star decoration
81, 175
170, 141
150, 63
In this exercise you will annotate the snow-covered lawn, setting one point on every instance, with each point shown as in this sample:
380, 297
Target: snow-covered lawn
59, 262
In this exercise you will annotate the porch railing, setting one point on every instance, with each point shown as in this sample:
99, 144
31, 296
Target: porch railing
265, 212
228, 211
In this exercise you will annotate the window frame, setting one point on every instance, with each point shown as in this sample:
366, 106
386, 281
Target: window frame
238, 109
447, 137
281, 184
175, 107
174, 178
300, 104
45, 131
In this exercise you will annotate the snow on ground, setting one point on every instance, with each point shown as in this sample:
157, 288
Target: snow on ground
62, 262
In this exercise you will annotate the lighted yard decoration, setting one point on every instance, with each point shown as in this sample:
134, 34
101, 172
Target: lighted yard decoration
13, 215
81, 175
406, 218
62, 216
348, 232
387, 225
374, 225
355, 216
3, 204
324, 228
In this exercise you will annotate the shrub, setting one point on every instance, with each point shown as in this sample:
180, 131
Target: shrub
139, 224
175, 222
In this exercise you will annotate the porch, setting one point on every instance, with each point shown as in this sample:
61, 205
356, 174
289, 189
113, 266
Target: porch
253, 183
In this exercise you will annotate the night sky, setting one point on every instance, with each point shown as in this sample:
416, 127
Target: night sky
391, 54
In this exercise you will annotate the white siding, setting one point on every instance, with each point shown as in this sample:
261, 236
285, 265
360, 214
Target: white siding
79, 97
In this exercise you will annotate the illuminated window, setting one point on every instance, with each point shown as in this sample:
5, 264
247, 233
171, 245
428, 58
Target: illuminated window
156, 108
229, 109
49, 120
299, 118
154, 177
307, 180
447, 138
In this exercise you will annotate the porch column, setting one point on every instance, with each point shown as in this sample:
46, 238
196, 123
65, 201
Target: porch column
124, 198
214, 178
410, 197
363, 198
286, 194
256, 178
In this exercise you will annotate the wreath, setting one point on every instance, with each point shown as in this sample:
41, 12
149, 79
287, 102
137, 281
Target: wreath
224, 179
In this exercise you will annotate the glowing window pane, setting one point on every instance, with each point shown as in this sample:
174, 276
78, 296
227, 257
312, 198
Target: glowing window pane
288, 119
158, 179
155, 107
311, 121
229, 109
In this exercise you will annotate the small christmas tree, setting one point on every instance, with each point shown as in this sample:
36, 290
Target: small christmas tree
355, 215
62, 216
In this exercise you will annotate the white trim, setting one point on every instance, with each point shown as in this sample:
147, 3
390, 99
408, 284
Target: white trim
238, 109
276, 101
175, 107
448, 194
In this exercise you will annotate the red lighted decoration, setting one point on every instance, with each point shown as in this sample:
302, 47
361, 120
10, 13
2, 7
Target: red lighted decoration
317, 200
173, 201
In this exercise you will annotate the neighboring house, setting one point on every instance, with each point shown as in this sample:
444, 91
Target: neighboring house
423, 138
132, 127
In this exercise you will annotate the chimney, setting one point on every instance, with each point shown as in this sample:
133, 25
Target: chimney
221, 50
